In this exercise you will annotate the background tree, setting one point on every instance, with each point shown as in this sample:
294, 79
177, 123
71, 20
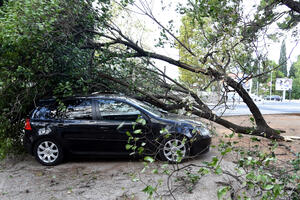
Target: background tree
202, 35
283, 60
295, 75
191, 37
293, 68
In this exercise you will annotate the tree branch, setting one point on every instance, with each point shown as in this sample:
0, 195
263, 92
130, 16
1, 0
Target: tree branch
293, 5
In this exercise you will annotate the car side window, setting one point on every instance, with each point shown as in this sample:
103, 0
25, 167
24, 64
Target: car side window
46, 112
79, 109
117, 110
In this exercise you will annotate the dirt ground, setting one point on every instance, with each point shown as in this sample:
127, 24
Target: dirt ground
23, 178
290, 123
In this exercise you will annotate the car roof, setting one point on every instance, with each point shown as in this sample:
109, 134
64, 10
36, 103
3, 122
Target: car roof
92, 96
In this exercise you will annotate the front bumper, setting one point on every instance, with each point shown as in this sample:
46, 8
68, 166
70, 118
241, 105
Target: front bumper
200, 145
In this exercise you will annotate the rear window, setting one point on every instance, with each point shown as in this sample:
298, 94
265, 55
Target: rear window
77, 109
47, 112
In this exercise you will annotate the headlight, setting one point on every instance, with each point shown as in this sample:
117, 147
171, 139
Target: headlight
202, 131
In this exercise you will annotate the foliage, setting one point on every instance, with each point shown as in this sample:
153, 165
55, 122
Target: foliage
43, 55
40, 56
206, 29
283, 59
257, 173
295, 75
292, 72
204, 33
230, 44
193, 39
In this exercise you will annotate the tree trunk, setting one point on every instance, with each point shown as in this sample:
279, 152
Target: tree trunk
262, 128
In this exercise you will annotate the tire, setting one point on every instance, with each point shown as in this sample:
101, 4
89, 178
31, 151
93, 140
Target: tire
174, 149
48, 152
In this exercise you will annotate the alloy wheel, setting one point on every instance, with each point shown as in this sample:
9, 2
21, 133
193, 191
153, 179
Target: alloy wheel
47, 151
174, 149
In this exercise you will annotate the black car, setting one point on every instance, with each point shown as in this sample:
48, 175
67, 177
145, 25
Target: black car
110, 125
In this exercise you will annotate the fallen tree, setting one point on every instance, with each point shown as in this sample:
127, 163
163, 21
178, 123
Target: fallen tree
210, 64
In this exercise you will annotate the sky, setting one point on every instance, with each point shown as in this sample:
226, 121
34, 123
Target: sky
273, 48
150, 32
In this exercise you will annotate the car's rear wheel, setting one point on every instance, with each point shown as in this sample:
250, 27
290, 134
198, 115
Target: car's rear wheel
174, 149
48, 152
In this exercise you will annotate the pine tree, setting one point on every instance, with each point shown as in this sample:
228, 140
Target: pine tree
294, 68
283, 59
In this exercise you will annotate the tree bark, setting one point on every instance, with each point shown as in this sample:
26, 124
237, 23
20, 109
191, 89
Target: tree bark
293, 5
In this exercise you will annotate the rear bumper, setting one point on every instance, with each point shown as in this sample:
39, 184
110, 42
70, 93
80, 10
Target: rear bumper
27, 143
201, 145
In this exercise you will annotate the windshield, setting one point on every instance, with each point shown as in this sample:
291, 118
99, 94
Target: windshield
150, 108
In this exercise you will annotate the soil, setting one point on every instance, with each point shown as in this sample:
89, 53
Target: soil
22, 177
290, 123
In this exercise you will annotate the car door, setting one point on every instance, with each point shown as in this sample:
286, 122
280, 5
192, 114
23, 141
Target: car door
116, 122
78, 129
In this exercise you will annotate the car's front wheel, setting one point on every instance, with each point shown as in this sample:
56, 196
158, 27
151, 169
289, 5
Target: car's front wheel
174, 149
48, 152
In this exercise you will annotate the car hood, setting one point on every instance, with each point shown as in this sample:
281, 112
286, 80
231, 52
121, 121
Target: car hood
184, 125
181, 120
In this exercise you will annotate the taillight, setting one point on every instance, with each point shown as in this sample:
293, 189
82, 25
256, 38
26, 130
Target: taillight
27, 125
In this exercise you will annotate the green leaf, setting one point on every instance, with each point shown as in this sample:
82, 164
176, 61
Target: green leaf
140, 150
203, 171
255, 139
164, 131
214, 162
128, 146
227, 150
222, 191
128, 133
218, 170
138, 131
141, 121
149, 159
149, 190
251, 119
135, 179
164, 166
250, 176
268, 187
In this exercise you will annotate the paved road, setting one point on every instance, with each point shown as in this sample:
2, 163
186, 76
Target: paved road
266, 107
